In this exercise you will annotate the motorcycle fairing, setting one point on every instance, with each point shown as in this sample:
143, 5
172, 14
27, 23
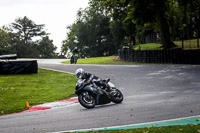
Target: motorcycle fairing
102, 99
86, 88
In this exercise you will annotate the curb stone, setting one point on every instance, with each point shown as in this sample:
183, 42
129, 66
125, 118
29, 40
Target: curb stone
57, 104
51, 105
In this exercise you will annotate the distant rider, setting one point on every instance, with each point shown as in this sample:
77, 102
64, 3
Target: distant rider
74, 55
75, 51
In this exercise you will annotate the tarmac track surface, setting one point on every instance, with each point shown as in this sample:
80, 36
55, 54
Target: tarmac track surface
151, 93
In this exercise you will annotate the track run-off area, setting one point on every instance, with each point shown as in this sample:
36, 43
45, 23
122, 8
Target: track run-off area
153, 94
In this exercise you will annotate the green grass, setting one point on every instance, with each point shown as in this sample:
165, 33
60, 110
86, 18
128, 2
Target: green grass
149, 46
108, 60
46, 86
169, 129
188, 44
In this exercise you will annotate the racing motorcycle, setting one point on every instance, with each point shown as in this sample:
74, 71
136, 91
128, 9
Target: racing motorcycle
90, 94
74, 59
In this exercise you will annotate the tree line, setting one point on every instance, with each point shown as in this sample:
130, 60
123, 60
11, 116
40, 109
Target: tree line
107, 25
26, 39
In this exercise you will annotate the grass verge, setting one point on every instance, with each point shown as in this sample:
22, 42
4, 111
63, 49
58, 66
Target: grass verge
168, 129
149, 46
46, 86
188, 44
108, 60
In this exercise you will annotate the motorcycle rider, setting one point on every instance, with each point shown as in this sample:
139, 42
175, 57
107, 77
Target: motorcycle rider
81, 74
75, 53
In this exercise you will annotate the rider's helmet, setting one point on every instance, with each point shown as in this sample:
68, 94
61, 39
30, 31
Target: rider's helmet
79, 73
75, 49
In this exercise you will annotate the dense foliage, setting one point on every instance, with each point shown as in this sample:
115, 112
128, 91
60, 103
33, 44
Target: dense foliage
26, 39
107, 25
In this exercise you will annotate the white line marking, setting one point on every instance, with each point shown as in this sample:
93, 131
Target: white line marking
56, 70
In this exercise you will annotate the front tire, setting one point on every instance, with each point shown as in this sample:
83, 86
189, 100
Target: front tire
116, 96
86, 100
71, 60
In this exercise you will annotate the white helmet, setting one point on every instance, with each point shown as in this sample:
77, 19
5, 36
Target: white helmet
79, 73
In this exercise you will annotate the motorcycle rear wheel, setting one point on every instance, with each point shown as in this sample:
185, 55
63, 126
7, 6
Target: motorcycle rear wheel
116, 96
86, 100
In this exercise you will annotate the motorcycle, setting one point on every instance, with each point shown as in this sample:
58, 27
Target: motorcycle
74, 59
90, 95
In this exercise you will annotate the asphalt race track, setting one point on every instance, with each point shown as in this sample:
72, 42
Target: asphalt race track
151, 93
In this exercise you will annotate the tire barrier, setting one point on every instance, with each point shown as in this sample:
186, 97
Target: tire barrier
18, 67
176, 56
7, 57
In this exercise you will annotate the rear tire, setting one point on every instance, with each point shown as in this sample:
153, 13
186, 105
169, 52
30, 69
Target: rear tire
116, 96
86, 100
75, 61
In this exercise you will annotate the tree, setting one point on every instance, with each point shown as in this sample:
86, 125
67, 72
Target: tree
190, 18
24, 30
27, 29
152, 11
46, 48
122, 28
90, 33
5, 42
26, 39
144, 11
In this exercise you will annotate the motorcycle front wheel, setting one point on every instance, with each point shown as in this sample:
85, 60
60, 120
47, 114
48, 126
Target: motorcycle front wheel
116, 96
71, 60
86, 100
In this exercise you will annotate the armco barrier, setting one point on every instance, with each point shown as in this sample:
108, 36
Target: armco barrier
176, 56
